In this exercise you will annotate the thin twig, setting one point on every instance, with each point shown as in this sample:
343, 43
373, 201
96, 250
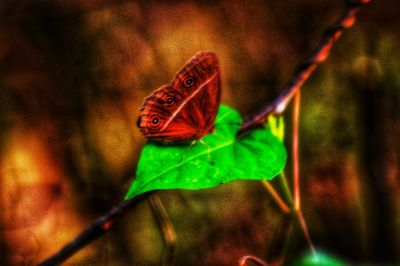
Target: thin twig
166, 226
321, 52
285, 248
304, 227
285, 188
295, 151
242, 260
101, 226
275, 196
296, 170
304, 70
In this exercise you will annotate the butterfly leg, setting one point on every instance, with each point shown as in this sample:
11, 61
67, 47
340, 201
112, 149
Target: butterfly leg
208, 151
187, 149
192, 144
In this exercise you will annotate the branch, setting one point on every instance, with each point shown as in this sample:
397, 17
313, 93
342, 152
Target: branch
101, 226
242, 261
320, 53
275, 196
305, 69
167, 229
295, 151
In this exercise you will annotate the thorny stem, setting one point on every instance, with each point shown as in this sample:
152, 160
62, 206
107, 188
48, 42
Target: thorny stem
166, 226
320, 53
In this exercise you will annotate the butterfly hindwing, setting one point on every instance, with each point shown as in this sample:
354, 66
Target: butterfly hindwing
186, 109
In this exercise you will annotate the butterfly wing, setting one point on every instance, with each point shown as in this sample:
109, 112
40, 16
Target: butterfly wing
186, 109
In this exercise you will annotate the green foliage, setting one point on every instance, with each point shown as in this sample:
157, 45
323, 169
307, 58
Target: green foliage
277, 126
218, 158
319, 259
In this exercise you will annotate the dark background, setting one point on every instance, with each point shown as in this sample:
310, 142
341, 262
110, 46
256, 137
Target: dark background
73, 75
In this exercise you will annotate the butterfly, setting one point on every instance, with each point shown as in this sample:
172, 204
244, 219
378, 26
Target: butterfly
184, 110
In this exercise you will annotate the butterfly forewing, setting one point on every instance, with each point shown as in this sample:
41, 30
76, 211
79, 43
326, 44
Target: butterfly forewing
186, 109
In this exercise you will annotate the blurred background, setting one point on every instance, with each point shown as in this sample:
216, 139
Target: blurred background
73, 75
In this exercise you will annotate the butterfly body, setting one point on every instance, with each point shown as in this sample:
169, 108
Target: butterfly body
184, 110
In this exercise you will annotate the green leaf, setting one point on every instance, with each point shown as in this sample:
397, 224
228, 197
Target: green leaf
277, 126
218, 158
319, 259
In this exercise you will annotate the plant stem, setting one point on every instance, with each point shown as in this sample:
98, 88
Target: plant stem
285, 187
275, 195
101, 226
242, 260
295, 151
307, 67
303, 225
320, 53
166, 226
296, 170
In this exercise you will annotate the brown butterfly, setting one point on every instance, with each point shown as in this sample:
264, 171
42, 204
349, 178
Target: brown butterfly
184, 110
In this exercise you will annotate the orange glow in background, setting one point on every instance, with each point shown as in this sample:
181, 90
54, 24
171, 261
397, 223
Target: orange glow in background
73, 77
